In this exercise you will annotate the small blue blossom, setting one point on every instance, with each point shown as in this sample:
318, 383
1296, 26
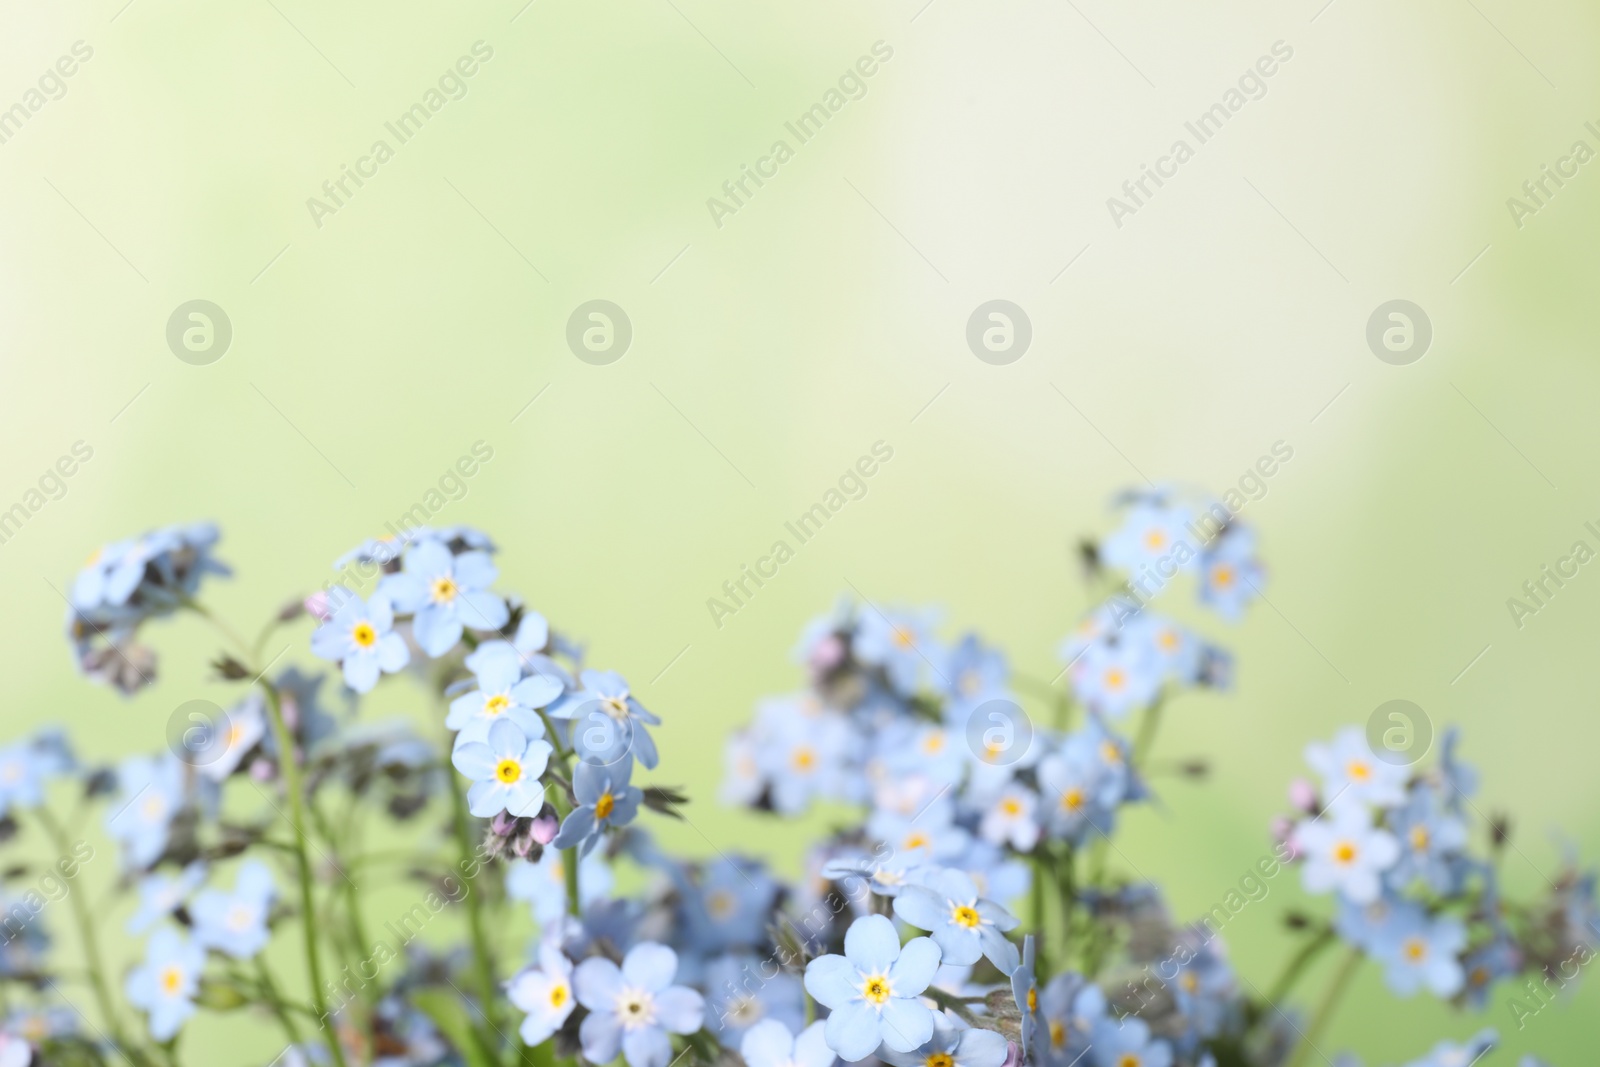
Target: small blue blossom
1344, 851
150, 793
900, 643
505, 771
1115, 678
543, 885
744, 990
605, 798
1421, 951
161, 894
236, 923
873, 990
501, 692
1432, 837
963, 925
1152, 533
1231, 576
446, 594
633, 1008
1351, 772
165, 984
544, 992
1127, 1042
770, 1043
608, 724
360, 637
955, 1046
729, 905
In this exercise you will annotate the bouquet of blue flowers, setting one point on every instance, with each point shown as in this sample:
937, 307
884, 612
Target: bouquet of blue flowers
968, 908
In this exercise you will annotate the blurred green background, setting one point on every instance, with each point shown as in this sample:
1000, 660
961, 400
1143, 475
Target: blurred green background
826, 314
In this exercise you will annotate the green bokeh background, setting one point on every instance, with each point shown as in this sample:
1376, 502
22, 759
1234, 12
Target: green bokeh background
827, 314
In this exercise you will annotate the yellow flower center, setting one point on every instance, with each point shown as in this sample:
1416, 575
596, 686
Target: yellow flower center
508, 771
604, 806
876, 989
965, 915
1222, 575
1033, 998
916, 839
939, 1059
444, 589
1129, 1059
558, 994
1419, 838
1115, 678
933, 744
903, 638
1011, 806
171, 980
803, 758
496, 704
1110, 753
363, 634
1154, 539
721, 904
1072, 799
1415, 949
1358, 770
1058, 1033
1345, 852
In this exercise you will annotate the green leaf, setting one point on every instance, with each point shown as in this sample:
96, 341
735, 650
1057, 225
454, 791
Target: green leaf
452, 1016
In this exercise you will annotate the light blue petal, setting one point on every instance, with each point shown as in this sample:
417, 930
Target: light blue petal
922, 908
482, 610
914, 970
872, 945
436, 629
853, 1031
536, 691
907, 1023
475, 760
601, 1037
475, 570
646, 1046
768, 1044
577, 827
596, 982
650, 966
980, 1048
680, 1010
427, 559
506, 740
832, 981
361, 672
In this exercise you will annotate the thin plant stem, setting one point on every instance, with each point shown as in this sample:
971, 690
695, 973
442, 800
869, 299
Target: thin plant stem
1325, 1008
483, 962
274, 998
1149, 726
86, 933
1297, 965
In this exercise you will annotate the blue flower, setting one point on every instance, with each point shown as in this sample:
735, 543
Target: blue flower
1422, 951
1350, 770
544, 992
1081, 793
150, 793
873, 990
1152, 531
544, 884
1116, 677
244, 726
1127, 1043
730, 905
805, 757
1012, 818
236, 923
635, 1007
360, 635
1025, 992
1459, 1054
954, 1046
900, 643
770, 1043
740, 994
165, 984
962, 924
446, 594
922, 835
504, 770
604, 799
1069, 1007
161, 894
1432, 837
1344, 851
608, 724
501, 692
1230, 574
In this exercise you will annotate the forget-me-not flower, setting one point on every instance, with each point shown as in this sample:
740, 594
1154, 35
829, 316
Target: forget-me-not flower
633, 1008
165, 984
446, 593
505, 770
360, 636
952, 1046
962, 924
544, 992
502, 692
770, 1043
608, 724
150, 793
236, 923
604, 799
1344, 851
873, 990
160, 894
544, 884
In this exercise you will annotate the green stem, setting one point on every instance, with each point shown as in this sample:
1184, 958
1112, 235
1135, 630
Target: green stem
86, 933
297, 817
275, 999
1325, 1009
1148, 726
483, 962
1297, 965
1041, 868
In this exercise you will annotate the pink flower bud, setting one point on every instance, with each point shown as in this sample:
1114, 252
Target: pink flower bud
1013, 1055
317, 606
827, 653
545, 827
1303, 795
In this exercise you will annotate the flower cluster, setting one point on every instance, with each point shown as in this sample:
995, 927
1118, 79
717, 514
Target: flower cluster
964, 910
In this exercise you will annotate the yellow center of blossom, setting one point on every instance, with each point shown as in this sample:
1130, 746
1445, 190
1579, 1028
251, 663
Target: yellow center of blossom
1189, 982
803, 758
1072, 799
1345, 852
1129, 1059
1479, 975
1168, 640
1011, 806
1222, 575
444, 589
721, 904
1110, 752
1115, 679
604, 806
965, 915
875, 989
939, 1059
616, 707
508, 771
1358, 770
1154, 539
933, 744
363, 635
1414, 949
1033, 998
916, 839
171, 980
903, 638
496, 704
558, 994
1419, 838
1058, 1033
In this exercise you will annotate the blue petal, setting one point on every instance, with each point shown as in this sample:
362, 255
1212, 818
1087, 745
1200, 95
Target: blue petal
853, 1032
907, 1023
832, 981
872, 945
914, 970
650, 966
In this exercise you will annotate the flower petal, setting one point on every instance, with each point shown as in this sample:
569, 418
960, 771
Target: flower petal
650, 966
872, 945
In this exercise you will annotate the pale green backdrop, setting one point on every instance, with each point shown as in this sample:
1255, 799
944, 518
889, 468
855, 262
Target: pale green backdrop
826, 314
